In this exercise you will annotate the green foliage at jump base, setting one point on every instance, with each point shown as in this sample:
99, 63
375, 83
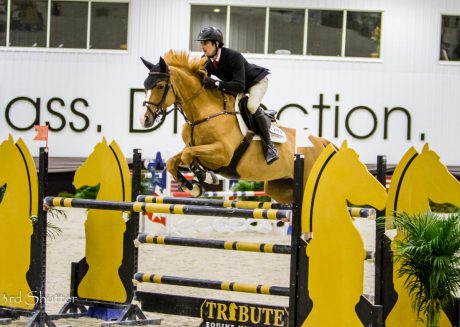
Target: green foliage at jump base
429, 261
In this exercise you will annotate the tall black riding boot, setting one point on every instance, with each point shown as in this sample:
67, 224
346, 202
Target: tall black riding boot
263, 126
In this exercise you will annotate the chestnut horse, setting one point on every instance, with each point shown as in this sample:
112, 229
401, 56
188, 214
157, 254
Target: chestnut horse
211, 132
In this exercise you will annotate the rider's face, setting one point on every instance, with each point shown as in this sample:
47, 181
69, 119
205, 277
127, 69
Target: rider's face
209, 48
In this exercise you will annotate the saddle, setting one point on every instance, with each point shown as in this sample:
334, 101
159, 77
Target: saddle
247, 117
246, 122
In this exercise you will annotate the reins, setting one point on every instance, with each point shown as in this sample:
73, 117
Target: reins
192, 124
205, 119
178, 106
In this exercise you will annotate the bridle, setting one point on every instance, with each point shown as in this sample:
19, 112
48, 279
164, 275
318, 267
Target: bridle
160, 114
178, 106
165, 92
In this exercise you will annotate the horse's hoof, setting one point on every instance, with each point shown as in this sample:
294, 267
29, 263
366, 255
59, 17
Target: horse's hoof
211, 178
197, 189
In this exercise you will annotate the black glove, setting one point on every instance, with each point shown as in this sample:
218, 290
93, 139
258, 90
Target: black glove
210, 82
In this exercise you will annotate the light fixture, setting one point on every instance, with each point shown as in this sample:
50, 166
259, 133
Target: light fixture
216, 10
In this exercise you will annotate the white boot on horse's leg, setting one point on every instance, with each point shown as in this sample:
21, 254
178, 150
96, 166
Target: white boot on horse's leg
204, 176
211, 178
197, 189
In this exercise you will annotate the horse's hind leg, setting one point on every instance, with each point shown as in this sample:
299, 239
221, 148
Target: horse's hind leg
281, 190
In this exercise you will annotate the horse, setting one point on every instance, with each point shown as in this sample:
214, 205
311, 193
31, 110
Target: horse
211, 132
335, 248
108, 168
18, 176
417, 180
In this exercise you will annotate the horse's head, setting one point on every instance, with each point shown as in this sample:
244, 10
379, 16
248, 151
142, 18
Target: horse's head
6, 160
440, 185
92, 170
158, 96
359, 187
107, 167
18, 175
337, 179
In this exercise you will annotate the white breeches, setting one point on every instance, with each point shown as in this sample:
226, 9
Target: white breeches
256, 94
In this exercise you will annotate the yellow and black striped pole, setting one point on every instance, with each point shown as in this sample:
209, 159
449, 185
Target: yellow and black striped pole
212, 284
214, 244
354, 211
272, 214
362, 212
213, 202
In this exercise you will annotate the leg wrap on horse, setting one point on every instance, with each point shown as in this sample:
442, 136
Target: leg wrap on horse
193, 187
203, 176
184, 181
198, 171
263, 129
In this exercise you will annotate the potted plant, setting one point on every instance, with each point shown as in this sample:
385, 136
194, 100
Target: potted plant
428, 254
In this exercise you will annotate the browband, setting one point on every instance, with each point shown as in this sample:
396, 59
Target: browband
158, 73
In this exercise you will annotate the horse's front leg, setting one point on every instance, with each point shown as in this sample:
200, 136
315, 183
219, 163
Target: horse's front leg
209, 153
172, 166
214, 153
204, 176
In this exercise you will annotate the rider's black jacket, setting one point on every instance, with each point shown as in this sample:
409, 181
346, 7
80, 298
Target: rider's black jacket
236, 73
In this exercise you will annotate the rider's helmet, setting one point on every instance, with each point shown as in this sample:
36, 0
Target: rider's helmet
211, 33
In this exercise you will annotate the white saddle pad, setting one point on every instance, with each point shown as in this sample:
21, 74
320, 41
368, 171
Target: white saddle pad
277, 135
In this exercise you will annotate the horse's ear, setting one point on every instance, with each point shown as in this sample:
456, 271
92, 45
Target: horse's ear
163, 65
104, 141
147, 64
10, 138
344, 145
426, 148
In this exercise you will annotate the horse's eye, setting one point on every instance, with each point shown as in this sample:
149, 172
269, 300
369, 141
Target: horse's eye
160, 87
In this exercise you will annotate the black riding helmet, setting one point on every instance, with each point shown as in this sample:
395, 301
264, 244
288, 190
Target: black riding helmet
211, 34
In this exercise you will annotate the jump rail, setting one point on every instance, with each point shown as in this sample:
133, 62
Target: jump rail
220, 244
354, 211
273, 214
221, 193
213, 202
212, 284
214, 244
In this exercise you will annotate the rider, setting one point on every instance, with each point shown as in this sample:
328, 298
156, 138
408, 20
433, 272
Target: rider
238, 76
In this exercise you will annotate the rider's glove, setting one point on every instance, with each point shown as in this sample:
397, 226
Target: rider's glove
210, 82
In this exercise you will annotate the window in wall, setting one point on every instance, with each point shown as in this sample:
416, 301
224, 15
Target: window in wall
3, 8
285, 22
109, 25
247, 29
69, 22
28, 23
363, 34
450, 38
202, 16
324, 36
327, 32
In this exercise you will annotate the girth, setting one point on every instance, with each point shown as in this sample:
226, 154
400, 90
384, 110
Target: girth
230, 170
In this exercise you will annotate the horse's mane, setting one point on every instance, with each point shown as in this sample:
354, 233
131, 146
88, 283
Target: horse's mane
182, 59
